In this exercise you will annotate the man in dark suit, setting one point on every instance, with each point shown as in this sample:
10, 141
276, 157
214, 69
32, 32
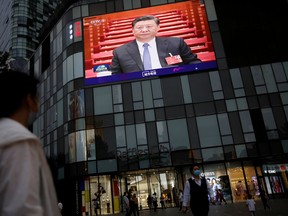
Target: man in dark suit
162, 50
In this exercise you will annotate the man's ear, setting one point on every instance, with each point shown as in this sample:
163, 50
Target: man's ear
32, 103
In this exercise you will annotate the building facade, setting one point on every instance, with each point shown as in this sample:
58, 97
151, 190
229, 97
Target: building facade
144, 134
21, 22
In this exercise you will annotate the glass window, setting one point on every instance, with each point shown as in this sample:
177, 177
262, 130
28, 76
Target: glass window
143, 157
156, 89
251, 179
246, 121
105, 143
218, 178
252, 149
136, 91
70, 68
268, 119
229, 152
257, 75
138, 105
224, 124
141, 134
102, 100
158, 2
215, 81
80, 124
72, 147
208, 131
76, 12
107, 166
162, 131
76, 104
269, 78
231, 105
249, 137
149, 115
212, 154
178, 134
158, 103
239, 92
172, 93
81, 146
218, 95
131, 137
285, 145
242, 103
226, 140
78, 65
117, 94
279, 72
118, 108
284, 97
92, 168
120, 136
91, 149
119, 119
147, 94
236, 78
237, 182
186, 89
200, 87
241, 151
127, 4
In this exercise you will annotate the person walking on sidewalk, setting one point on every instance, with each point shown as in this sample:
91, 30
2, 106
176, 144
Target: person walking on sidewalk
196, 191
180, 199
250, 202
154, 201
264, 199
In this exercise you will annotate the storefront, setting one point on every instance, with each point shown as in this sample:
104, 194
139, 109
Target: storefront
103, 194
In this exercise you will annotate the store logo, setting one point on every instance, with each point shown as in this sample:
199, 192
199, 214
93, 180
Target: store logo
97, 22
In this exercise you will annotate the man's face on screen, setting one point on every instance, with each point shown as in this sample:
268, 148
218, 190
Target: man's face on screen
145, 31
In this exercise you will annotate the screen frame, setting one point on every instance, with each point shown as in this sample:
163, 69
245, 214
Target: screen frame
138, 75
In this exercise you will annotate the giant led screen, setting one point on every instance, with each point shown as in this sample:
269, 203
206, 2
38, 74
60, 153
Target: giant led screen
112, 54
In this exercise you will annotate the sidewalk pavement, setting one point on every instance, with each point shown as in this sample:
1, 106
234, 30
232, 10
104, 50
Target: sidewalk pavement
279, 207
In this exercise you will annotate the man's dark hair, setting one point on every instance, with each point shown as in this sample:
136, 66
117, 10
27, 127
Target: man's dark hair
144, 18
14, 87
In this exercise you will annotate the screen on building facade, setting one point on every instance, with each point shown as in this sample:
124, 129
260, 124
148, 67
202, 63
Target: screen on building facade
182, 44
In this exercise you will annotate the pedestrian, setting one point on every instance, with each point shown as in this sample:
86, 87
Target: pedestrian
264, 199
180, 199
149, 201
250, 202
162, 202
196, 191
131, 203
60, 206
26, 185
220, 195
136, 207
126, 203
154, 201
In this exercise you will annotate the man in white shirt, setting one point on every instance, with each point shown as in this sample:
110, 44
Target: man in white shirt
126, 203
129, 57
196, 192
26, 184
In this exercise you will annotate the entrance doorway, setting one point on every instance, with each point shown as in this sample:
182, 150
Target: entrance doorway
147, 182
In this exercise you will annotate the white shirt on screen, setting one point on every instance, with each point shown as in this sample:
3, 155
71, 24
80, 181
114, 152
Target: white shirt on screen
153, 53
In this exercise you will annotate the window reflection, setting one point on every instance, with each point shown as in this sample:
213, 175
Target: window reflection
178, 134
208, 131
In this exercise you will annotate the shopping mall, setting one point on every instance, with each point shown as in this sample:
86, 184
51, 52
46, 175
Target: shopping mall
106, 133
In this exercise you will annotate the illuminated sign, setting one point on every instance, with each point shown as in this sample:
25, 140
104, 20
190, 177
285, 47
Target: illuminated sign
103, 34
